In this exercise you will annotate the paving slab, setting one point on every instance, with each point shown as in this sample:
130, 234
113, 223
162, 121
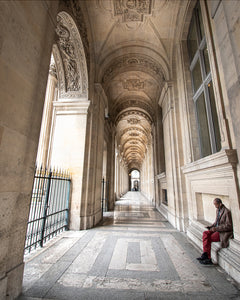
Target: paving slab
133, 254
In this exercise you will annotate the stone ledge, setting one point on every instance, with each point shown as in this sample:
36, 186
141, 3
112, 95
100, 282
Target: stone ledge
218, 159
227, 258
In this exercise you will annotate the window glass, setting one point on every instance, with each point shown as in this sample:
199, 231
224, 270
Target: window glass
192, 40
203, 126
207, 118
196, 76
214, 117
206, 60
201, 29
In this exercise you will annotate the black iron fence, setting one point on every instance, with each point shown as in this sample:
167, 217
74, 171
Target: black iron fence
49, 207
105, 195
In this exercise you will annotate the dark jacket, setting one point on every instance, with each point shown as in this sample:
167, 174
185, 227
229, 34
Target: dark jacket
225, 227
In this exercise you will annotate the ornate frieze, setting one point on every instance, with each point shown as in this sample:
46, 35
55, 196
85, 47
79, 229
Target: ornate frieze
133, 103
68, 55
133, 134
70, 59
133, 62
132, 10
74, 6
133, 84
133, 121
127, 130
134, 113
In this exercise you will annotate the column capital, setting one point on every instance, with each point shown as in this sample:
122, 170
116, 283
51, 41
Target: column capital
71, 107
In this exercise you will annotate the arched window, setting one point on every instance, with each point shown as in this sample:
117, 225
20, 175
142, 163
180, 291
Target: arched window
203, 94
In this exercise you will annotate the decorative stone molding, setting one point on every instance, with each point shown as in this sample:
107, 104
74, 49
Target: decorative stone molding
52, 68
126, 103
211, 161
70, 59
161, 176
99, 89
134, 113
133, 62
76, 10
69, 107
133, 84
167, 85
133, 129
132, 10
133, 121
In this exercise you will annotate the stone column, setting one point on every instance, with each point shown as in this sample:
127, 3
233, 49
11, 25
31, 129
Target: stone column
166, 102
68, 146
111, 169
91, 212
43, 145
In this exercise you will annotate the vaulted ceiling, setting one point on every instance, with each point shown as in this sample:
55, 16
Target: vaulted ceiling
133, 44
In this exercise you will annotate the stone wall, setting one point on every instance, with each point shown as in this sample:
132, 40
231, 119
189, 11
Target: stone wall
26, 38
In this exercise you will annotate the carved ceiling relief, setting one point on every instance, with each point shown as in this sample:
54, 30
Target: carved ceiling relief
135, 61
134, 113
132, 103
127, 130
133, 121
133, 85
132, 10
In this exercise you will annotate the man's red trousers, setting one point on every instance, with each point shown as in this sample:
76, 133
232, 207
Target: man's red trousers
208, 238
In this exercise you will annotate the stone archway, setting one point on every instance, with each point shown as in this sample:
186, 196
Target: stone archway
70, 107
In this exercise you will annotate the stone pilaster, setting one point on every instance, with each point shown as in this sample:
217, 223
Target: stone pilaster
44, 139
68, 146
91, 212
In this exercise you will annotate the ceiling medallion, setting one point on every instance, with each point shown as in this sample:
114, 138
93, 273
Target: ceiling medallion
133, 84
132, 10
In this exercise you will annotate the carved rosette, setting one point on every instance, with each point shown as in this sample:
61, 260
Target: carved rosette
70, 59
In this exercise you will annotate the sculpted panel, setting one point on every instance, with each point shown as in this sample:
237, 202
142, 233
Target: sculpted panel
133, 84
74, 82
132, 10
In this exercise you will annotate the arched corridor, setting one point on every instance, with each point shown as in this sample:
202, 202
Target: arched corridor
118, 99
134, 254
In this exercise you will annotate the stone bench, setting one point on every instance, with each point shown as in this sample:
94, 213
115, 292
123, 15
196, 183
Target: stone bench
227, 258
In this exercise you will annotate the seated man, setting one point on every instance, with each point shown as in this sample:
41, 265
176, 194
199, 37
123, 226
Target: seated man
221, 230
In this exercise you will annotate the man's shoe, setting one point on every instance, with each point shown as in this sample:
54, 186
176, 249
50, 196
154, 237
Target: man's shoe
207, 261
203, 256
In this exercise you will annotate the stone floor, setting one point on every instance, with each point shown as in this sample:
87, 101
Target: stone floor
134, 254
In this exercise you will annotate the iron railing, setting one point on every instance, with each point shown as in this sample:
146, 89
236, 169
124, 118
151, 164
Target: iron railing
49, 207
105, 195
